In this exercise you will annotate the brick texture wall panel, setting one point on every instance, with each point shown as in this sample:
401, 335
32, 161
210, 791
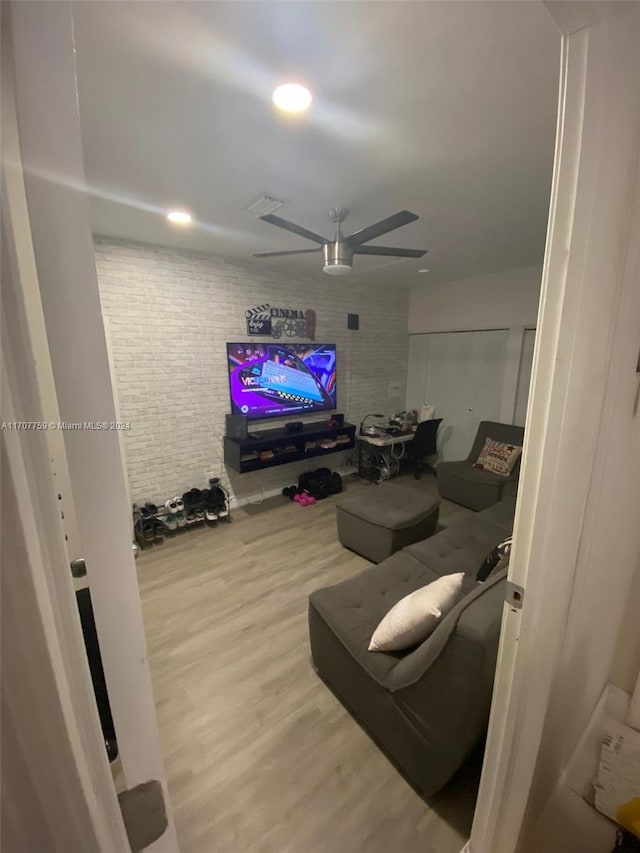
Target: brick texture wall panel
170, 315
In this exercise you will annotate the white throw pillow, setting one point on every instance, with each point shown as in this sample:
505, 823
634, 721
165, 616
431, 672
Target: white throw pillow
415, 616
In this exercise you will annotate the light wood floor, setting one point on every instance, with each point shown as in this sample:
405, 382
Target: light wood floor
260, 756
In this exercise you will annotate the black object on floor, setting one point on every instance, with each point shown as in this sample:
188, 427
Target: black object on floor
626, 843
144, 814
320, 483
85, 608
112, 749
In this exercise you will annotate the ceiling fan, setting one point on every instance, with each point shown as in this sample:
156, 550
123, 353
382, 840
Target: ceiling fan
338, 253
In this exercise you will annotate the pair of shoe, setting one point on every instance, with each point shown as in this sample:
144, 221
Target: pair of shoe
206, 504
145, 532
169, 517
194, 506
176, 516
149, 528
216, 503
148, 511
151, 521
304, 499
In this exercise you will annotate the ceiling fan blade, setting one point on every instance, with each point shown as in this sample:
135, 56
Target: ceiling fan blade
296, 229
280, 254
388, 250
404, 217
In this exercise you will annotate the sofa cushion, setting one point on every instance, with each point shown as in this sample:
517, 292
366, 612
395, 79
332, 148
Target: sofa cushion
383, 520
466, 472
354, 608
501, 513
477, 617
460, 548
391, 506
415, 616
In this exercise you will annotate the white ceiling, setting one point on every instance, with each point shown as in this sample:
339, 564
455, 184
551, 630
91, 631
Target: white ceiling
445, 108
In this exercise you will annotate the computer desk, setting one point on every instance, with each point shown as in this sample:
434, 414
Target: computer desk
384, 440
378, 461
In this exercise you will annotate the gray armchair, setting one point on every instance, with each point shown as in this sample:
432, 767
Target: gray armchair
463, 484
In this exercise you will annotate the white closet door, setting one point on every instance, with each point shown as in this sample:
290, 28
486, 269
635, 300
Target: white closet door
463, 377
418, 345
524, 378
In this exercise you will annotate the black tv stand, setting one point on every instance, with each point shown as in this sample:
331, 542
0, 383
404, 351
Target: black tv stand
271, 447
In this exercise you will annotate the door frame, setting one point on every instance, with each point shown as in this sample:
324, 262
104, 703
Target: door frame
51, 735
56, 292
566, 317
594, 229
52, 739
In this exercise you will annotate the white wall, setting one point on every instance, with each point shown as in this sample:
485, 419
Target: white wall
503, 300
496, 301
626, 660
170, 315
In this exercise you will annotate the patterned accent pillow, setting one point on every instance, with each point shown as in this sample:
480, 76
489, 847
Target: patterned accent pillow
498, 457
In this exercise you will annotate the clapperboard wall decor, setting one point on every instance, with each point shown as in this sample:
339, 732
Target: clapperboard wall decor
258, 320
290, 322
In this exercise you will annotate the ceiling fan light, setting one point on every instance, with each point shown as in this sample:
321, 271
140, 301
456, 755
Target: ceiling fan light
337, 268
338, 258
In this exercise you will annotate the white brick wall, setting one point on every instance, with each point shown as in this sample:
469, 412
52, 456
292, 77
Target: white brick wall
170, 315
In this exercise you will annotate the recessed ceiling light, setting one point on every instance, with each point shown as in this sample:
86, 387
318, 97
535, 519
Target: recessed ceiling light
292, 98
424, 270
179, 217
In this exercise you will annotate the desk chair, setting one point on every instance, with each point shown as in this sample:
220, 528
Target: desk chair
424, 444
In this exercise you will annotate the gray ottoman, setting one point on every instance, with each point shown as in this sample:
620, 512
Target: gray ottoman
385, 519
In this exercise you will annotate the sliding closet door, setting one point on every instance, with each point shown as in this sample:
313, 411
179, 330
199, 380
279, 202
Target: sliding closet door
418, 345
524, 378
461, 374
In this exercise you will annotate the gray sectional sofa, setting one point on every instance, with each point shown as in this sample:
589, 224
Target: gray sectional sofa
425, 707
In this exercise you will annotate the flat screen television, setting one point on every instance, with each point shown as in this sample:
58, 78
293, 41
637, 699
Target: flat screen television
271, 380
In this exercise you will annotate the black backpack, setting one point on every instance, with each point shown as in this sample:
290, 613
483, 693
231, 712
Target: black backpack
320, 483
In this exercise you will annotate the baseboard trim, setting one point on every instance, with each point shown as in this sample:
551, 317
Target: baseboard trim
257, 499
254, 500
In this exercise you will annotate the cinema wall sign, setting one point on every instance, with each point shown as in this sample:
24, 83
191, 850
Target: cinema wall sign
291, 322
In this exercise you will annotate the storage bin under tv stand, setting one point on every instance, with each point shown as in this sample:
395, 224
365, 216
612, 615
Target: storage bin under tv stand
286, 446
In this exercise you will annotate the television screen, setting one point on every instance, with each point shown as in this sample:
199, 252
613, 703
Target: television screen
270, 380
